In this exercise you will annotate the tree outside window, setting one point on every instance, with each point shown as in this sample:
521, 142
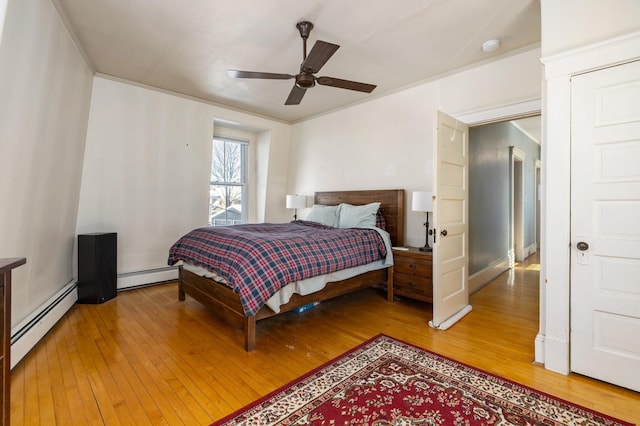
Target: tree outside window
228, 186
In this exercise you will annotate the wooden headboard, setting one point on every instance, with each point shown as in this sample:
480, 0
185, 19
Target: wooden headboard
391, 199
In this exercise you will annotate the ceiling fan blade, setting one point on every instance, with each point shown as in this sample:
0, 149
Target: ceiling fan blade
256, 74
345, 84
295, 96
318, 56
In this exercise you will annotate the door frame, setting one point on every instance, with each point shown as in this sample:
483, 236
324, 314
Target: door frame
514, 111
516, 205
538, 193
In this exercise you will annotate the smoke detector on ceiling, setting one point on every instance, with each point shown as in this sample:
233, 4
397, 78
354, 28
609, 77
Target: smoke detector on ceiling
491, 45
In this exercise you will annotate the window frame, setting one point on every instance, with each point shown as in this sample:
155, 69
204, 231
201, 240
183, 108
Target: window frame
244, 178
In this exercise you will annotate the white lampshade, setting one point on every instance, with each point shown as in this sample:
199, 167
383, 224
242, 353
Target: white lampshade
422, 201
296, 201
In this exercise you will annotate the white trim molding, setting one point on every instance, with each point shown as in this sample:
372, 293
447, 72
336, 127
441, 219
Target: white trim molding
526, 108
539, 349
516, 207
529, 250
595, 56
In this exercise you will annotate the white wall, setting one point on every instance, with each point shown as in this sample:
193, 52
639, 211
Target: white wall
3, 12
147, 168
570, 24
46, 88
489, 192
388, 142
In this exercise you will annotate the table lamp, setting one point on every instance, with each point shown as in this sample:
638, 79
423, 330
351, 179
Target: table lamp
422, 201
296, 202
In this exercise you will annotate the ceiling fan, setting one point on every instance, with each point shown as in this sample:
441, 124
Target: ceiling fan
319, 55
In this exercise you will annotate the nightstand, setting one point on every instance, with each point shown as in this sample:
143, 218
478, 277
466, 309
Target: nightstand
6, 265
411, 275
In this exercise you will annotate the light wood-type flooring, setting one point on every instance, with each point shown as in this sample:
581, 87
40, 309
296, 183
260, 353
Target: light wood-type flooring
146, 358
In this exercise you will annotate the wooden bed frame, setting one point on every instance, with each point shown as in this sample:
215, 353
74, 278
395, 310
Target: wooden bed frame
226, 302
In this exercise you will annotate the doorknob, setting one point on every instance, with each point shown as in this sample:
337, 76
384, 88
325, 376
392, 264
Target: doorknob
582, 246
443, 232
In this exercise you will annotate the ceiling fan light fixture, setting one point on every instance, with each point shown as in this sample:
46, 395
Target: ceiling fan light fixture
491, 45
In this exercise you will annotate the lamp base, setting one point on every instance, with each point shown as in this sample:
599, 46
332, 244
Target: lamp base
426, 236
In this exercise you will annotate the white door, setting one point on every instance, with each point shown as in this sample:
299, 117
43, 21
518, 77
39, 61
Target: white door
451, 223
605, 225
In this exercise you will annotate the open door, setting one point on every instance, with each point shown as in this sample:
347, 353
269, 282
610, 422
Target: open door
451, 223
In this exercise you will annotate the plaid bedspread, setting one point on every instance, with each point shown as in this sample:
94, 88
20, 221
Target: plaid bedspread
256, 260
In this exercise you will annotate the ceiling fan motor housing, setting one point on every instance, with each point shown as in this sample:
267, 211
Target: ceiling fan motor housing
305, 81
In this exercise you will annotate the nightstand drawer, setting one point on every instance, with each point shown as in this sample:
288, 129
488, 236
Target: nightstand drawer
412, 266
418, 287
412, 275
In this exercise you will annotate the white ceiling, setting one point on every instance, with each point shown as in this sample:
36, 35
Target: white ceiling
530, 126
186, 46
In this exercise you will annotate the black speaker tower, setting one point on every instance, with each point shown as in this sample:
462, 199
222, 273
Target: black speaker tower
97, 267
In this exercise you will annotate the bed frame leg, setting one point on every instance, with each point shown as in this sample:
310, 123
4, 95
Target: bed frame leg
250, 333
181, 295
390, 284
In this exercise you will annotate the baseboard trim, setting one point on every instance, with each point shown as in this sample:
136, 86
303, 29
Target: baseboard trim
533, 248
142, 278
26, 334
485, 276
523, 254
556, 355
539, 349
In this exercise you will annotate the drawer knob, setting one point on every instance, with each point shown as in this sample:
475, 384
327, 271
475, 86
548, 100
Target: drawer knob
412, 284
413, 266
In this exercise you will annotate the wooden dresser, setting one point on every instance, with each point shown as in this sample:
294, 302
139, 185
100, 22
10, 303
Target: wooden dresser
6, 266
411, 275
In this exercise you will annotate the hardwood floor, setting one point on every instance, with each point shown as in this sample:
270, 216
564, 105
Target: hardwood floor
145, 358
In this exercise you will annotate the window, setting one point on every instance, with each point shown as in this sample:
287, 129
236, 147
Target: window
228, 187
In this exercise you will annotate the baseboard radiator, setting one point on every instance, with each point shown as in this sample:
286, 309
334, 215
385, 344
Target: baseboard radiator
131, 280
26, 335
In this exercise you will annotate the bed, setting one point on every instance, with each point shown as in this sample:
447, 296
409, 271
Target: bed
227, 303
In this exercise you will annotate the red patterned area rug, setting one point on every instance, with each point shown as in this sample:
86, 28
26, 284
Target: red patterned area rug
388, 382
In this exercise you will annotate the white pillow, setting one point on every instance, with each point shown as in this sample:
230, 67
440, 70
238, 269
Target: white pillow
326, 215
350, 216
